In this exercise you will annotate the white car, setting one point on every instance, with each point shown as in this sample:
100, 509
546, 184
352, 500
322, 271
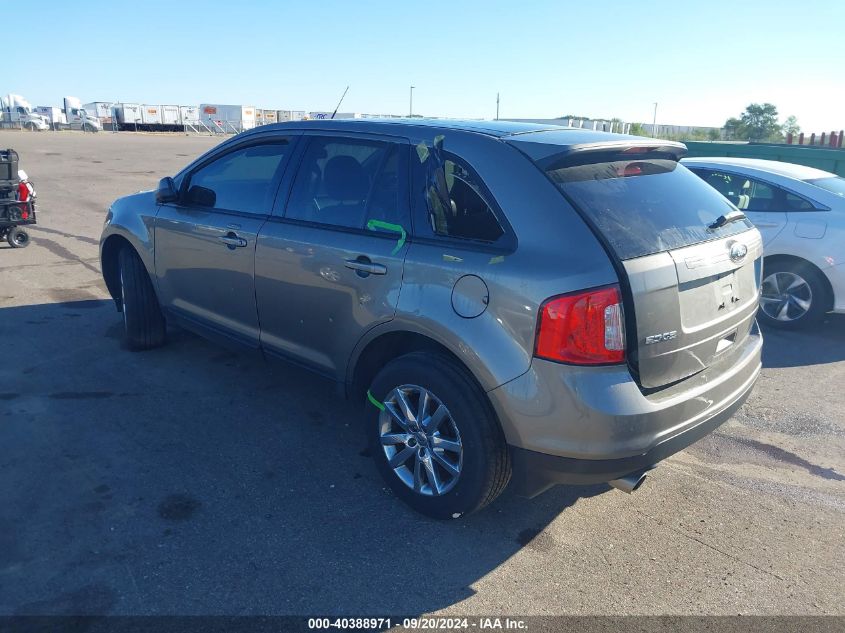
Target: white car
800, 211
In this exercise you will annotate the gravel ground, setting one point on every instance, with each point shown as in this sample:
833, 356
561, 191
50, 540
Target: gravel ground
195, 480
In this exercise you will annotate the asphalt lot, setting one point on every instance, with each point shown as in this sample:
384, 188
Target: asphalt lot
194, 480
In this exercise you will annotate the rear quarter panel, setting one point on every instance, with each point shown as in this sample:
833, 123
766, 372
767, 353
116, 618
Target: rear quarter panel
556, 253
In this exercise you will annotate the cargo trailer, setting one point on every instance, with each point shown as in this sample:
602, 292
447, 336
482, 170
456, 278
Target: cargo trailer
150, 117
170, 116
290, 115
128, 116
103, 110
227, 118
189, 115
54, 116
338, 115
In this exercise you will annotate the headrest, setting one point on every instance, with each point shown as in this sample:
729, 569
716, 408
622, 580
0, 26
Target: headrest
345, 179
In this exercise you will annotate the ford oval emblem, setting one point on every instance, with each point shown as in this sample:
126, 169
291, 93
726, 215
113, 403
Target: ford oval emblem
738, 252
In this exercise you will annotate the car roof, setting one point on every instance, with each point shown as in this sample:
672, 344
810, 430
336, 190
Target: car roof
787, 170
497, 129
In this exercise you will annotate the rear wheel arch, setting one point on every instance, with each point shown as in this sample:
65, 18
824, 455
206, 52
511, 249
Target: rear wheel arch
800, 262
388, 346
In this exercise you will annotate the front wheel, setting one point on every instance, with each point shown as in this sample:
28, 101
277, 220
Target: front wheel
793, 296
434, 436
143, 322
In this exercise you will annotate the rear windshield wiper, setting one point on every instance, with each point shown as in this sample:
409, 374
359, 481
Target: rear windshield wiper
727, 218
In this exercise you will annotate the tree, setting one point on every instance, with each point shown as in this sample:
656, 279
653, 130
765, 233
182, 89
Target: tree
790, 126
713, 134
760, 122
734, 130
637, 129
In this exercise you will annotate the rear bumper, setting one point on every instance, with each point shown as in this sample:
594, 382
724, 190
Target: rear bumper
535, 472
581, 425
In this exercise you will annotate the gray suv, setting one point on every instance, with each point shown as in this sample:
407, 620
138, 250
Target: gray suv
508, 301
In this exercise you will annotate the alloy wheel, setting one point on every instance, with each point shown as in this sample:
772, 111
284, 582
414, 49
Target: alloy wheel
420, 440
785, 296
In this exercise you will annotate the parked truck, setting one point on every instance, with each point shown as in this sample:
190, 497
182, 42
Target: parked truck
78, 118
15, 111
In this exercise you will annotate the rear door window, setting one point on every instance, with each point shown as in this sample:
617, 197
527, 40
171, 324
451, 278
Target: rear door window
750, 194
645, 205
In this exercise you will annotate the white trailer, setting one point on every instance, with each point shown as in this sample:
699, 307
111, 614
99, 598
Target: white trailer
189, 115
103, 110
171, 118
339, 115
270, 116
227, 118
128, 115
290, 115
54, 116
150, 116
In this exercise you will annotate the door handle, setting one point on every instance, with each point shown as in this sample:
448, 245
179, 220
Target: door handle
363, 266
233, 240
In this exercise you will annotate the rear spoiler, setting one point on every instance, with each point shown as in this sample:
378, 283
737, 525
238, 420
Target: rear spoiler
607, 151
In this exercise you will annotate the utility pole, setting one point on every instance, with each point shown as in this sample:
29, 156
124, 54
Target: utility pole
411, 107
497, 106
654, 124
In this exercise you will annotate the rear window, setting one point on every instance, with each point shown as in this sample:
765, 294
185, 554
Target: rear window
647, 205
834, 184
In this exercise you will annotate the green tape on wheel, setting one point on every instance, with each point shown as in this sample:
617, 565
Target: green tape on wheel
387, 226
378, 405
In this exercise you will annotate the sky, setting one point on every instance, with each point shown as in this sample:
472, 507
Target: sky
701, 61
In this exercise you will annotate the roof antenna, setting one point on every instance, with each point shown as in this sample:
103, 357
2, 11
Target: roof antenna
341, 100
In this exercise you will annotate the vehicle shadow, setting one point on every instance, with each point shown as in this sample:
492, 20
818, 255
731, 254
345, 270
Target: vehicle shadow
823, 343
193, 480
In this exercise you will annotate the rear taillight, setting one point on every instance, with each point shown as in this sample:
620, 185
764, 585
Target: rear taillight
584, 328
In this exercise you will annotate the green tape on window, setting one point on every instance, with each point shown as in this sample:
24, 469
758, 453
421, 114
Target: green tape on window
387, 226
378, 405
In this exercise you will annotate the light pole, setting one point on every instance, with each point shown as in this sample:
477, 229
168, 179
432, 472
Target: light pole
654, 123
497, 106
411, 107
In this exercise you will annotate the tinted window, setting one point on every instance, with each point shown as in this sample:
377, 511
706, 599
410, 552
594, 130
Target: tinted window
750, 194
452, 199
646, 206
238, 181
346, 182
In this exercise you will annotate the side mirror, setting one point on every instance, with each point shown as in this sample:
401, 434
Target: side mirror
201, 197
166, 191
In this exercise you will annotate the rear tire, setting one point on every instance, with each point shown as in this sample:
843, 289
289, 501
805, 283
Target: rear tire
793, 296
18, 237
466, 421
143, 322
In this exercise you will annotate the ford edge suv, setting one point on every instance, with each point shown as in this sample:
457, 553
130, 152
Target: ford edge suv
508, 301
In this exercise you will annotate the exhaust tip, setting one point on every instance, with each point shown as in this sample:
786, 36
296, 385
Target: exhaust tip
629, 483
